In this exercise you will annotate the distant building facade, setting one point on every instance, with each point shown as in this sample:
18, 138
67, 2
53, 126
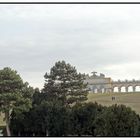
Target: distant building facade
101, 84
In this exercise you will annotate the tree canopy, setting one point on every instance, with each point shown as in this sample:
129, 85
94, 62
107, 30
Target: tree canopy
65, 84
117, 120
13, 94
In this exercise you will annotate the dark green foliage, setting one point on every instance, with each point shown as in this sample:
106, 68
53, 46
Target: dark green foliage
56, 120
21, 123
65, 84
14, 94
89, 119
117, 120
138, 131
47, 119
82, 118
10, 86
37, 97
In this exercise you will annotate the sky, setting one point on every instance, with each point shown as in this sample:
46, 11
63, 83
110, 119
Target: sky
101, 38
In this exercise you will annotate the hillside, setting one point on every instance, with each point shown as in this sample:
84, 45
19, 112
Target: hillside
129, 99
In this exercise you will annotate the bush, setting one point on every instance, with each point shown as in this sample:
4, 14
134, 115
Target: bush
117, 120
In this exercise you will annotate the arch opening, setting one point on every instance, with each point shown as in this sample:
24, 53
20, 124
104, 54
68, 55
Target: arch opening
130, 88
102, 90
95, 90
123, 89
137, 88
115, 89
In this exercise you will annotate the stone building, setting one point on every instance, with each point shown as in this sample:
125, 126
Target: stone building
101, 84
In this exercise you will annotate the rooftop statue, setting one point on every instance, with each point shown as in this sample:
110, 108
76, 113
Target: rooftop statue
94, 73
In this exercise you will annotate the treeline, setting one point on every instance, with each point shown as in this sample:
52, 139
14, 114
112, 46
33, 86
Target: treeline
60, 108
87, 119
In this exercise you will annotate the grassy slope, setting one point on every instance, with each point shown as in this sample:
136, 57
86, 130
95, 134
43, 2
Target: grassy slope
2, 123
129, 99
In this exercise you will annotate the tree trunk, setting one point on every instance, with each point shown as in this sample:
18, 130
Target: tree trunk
19, 134
8, 129
47, 134
7, 124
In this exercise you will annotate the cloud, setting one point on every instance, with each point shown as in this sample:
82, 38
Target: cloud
103, 38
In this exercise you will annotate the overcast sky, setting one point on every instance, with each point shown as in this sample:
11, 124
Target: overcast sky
102, 38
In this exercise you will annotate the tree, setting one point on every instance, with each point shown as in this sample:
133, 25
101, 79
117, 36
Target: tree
37, 97
117, 120
13, 94
65, 84
82, 118
56, 118
46, 119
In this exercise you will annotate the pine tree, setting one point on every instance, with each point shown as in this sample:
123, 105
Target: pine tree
65, 84
14, 95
